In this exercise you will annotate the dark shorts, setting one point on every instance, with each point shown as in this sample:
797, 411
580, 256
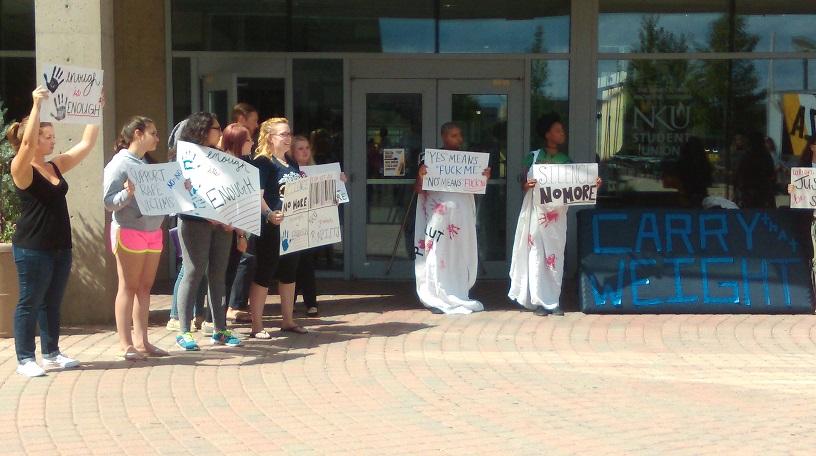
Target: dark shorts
271, 266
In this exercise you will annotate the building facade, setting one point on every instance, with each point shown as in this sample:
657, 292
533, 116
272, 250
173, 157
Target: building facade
632, 82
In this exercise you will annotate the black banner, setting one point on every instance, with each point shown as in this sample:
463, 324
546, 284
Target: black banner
686, 261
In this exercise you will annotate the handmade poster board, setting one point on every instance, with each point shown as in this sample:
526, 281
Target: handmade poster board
455, 171
160, 189
694, 261
76, 95
310, 217
570, 184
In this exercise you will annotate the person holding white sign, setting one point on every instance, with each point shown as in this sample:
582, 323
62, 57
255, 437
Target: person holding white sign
446, 260
537, 266
305, 280
808, 160
276, 170
136, 239
205, 249
42, 241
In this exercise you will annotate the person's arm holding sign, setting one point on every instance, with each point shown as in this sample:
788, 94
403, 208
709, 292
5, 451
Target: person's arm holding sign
22, 172
73, 156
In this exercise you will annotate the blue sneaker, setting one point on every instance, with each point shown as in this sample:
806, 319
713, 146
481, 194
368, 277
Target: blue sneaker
225, 337
186, 341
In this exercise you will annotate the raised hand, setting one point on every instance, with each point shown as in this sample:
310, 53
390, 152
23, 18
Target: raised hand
56, 79
39, 94
60, 107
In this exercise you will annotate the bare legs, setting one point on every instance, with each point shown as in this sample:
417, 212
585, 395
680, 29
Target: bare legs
136, 272
257, 299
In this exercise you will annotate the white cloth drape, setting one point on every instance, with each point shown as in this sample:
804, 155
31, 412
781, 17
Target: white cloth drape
537, 266
445, 245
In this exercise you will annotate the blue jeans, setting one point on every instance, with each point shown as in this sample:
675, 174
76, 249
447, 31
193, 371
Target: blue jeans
198, 308
42, 275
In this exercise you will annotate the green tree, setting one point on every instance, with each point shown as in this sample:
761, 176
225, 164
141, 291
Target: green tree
9, 203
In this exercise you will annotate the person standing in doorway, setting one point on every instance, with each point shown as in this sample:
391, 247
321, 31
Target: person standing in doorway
445, 244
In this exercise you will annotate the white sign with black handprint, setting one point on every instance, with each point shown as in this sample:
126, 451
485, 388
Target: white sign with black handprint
76, 94
56, 79
59, 107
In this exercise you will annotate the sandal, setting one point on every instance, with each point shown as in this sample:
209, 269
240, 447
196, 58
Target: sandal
131, 354
155, 351
260, 335
295, 329
311, 311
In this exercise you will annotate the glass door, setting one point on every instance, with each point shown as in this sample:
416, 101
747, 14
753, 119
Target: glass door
491, 116
392, 122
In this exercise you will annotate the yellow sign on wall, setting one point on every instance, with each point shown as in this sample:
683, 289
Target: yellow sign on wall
800, 118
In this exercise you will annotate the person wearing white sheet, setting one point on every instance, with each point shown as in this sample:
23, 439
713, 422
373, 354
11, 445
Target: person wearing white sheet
445, 245
537, 266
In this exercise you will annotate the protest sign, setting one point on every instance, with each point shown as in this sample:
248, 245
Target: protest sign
160, 189
455, 171
224, 188
693, 261
804, 188
393, 162
310, 217
567, 184
75, 97
334, 170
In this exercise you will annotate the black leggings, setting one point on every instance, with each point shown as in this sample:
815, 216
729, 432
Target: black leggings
305, 282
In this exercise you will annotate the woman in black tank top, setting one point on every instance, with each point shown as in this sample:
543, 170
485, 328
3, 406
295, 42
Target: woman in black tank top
42, 240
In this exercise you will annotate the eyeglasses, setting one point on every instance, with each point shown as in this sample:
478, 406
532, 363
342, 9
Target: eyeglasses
249, 140
216, 128
283, 135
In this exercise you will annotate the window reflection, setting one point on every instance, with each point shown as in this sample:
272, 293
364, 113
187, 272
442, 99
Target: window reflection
663, 26
778, 26
648, 109
363, 26
16, 25
239, 25
549, 92
501, 26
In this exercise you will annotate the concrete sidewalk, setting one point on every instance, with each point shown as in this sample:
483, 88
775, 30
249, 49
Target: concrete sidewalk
377, 374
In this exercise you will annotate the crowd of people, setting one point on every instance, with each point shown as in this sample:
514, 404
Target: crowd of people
235, 269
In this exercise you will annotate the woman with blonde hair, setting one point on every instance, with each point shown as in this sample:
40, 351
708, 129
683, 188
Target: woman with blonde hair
276, 169
42, 241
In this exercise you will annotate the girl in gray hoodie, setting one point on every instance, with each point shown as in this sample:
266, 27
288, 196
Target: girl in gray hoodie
136, 239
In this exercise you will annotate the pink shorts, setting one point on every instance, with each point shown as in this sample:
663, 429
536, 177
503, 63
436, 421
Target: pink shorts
135, 241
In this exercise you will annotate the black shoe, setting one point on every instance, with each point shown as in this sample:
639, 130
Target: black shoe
557, 312
434, 310
541, 312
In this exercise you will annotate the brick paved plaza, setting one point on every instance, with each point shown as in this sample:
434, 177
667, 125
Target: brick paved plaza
378, 375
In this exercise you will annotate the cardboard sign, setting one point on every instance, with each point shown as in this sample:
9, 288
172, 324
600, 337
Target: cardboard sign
694, 261
393, 162
76, 95
566, 185
455, 171
804, 188
160, 189
310, 217
334, 170
225, 188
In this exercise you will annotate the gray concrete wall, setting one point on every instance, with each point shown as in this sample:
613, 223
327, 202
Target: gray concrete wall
80, 32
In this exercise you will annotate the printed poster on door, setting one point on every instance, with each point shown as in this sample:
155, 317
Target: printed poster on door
393, 162
310, 217
75, 95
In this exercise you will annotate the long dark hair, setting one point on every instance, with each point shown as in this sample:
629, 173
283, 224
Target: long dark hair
198, 128
135, 123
